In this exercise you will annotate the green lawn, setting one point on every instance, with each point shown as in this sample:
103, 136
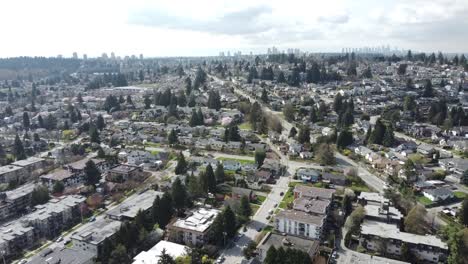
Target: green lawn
260, 199
460, 195
287, 199
241, 161
424, 200
245, 126
254, 207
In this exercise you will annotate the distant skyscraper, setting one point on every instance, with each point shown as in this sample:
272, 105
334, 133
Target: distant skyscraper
59, 56
113, 55
104, 56
229, 54
85, 57
221, 54
75, 55
141, 56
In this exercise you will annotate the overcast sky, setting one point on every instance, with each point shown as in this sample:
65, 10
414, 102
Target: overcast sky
206, 27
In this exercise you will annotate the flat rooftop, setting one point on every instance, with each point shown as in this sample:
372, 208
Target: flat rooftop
311, 205
302, 217
58, 175
9, 168
312, 192
199, 220
27, 162
376, 211
393, 232
21, 191
152, 256
360, 258
130, 207
54, 206
62, 256
97, 231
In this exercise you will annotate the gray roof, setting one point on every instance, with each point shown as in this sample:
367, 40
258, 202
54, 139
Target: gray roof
313, 192
302, 217
28, 161
130, 207
277, 240
62, 256
311, 205
393, 232
439, 192
99, 230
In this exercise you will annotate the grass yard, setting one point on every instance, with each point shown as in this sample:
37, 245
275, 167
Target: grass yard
254, 207
287, 199
424, 200
460, 195
241, 161
245, 126
260, 199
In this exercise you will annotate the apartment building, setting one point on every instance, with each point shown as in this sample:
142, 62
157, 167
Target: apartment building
299, 223
15, 201
193, 229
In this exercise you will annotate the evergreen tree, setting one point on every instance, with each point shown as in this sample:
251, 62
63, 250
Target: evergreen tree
219, 173
58, 187
245, 208
92, 173
378, 133
165, 258
26, 121
188, 85
289, 112
194, 119
211, 179
271, 256
181, 167
172, 138
463, 214
18, 149
304, 135
388, 138
281, 78
292, 132
428, 90
179, 194
129, 100
214, 100
100, 124
94, 135
147, 101
260, 156
40, 195
338, 103
230, 223
264, 96
200, 117
119, 255
345, 138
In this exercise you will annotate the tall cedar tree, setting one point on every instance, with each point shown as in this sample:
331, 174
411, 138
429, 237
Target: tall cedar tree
182, 166
211, 180
172, 138
179, 194
18, 149
92, 173
219, 173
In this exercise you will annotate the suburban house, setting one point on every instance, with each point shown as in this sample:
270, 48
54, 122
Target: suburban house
337, 179
238, 192
231, 165
153, 255
438, 194
308, 175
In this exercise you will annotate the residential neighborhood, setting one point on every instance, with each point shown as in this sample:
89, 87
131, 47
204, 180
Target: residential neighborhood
273, 156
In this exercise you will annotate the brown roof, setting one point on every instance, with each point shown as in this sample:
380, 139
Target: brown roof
58, 175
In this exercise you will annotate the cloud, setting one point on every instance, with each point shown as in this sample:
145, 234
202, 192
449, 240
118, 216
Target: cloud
335, 19
240, 22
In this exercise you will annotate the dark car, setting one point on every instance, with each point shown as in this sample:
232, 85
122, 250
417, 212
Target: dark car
281, 193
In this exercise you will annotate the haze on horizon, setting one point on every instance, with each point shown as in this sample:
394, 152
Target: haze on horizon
206, 27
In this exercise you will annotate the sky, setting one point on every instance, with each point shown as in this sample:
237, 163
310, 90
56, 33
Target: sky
206, 27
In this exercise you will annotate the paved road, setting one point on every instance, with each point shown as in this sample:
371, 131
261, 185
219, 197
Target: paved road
234, 254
